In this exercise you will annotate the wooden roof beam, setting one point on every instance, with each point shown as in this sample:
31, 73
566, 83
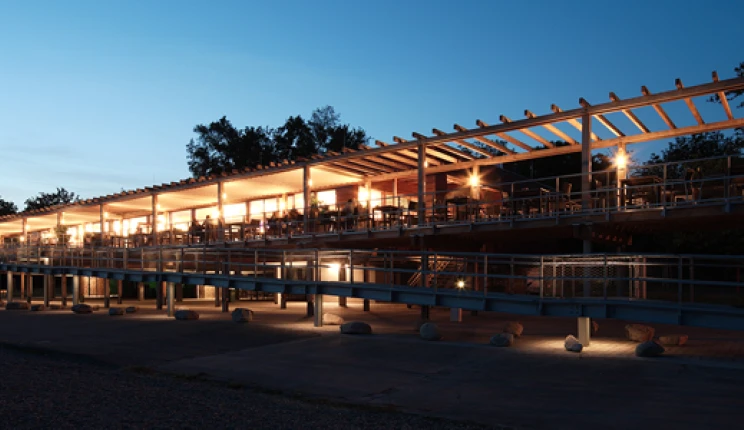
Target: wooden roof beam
376, 160
529, 133
514, 141
431, 152
631, 116
488, 142
362, 163
574, 122
657, 107
464, 143
446, 148
602, 119
690, 104
553, 129
722, 97
405, 154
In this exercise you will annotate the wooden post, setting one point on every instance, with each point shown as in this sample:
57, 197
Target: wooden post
179, 292
75, 289
106, 293
159, 286
421, 182
47, 285
170, 294
63, 282
9, 276
586, 183
102, 219
220, 212
154, 224
306, 180
119, 291
140, 291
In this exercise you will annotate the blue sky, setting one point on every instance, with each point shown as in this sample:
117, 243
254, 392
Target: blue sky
97, 96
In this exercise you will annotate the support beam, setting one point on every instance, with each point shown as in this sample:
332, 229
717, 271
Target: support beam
225, 294
75, 290
179, 292
154, 222
584, 331
365, 305
318, 311
529, 133
586, 161
575, 123
141, 291
306, 184
690, 104
170, 298
465, 144
488, 142
63, 285
106, 292
119, 291
421, 185
456, 314
631, 116
159, 286
9, 276
430, 152
723, 99
342, 302
553, 129
659, 110
601, 118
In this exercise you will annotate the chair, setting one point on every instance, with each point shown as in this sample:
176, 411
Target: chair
566, 200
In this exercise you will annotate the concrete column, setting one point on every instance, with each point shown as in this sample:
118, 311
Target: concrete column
282, 300
63, 288
75, 290
10, 286
456, 314
585, 330
342, 301
171, 298
140, 291
22, 279
366, 305
159, 295
106, 293
47, 286
318, 311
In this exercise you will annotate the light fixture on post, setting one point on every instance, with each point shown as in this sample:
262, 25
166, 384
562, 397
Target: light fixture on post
474, 180
621, 160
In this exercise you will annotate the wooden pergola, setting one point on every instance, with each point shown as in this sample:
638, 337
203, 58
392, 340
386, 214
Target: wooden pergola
464, 148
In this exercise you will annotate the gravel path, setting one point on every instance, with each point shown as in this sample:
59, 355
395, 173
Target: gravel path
56, 391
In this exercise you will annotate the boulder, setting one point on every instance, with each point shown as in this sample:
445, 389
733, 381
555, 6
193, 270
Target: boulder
17, 306
595, 327
649, 349
572, 344
241, 315
131, 310
38, 307
116, 311
430, 331
639, 332
502, 339
82, 309
514, 328
673, 339
356, 327
332, 319
186, 314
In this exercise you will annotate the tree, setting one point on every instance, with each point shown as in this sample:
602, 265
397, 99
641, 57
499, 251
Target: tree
7, 208
220, 147
697, 146
43, 200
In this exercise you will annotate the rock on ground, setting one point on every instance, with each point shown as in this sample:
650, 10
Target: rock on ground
673, 339
38, 307
332, 319
16, 306
639, 332
514, 328
241, 315
649, 349
502, 339
186, 314
131, 309
356, 327
116, 311
430, 331
82, 309
572, 344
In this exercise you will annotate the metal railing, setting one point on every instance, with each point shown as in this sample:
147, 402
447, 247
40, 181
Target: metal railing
671, 278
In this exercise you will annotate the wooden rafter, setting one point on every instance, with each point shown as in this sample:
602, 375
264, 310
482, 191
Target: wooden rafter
574, 122
387, 164
529, 133
407, 154
431, 152
341, 170
690, 104
657, 107
392, 163
464, 144
446, 148
514, 141
631, 116
487, 142
602, 119
722, 97
365, 163
553, 129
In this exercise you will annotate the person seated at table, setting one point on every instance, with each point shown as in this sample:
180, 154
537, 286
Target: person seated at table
273, 223
197, 231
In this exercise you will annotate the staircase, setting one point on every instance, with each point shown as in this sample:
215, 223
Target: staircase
449, 265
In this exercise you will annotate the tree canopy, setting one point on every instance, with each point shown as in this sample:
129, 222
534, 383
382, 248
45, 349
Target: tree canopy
221, 147
43, 200
7, 208
732, 95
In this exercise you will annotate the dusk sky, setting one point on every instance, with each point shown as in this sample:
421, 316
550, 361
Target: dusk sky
99, 96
